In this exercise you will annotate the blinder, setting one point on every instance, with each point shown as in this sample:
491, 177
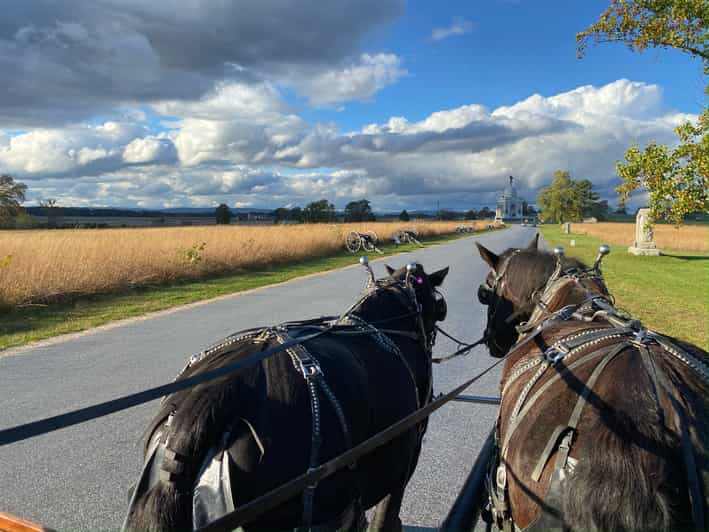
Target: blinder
485, 294
441, 307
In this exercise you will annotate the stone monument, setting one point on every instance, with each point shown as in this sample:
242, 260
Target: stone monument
644, 241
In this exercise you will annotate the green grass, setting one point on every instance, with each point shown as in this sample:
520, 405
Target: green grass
669, 293
29, 324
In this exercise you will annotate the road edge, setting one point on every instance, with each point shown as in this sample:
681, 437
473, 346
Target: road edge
54, 340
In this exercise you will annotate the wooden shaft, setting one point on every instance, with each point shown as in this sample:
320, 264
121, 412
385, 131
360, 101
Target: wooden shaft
11, 523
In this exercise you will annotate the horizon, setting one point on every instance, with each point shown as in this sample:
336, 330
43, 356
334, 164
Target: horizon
261, 105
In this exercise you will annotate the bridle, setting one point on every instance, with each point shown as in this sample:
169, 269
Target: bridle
489, 293
405, 290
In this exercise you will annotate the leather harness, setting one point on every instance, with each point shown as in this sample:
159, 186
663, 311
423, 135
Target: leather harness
597, 345
212, 489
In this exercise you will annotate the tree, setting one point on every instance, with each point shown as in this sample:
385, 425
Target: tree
445, 214
51, 210
677, 180
319, 211
12, 194
359, 211
296, 214
641, 24
470, 215
404, 216
280, 214
566, 200
530, 211
485, 213
223, 214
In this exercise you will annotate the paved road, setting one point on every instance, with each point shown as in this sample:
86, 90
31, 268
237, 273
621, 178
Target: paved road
77, 478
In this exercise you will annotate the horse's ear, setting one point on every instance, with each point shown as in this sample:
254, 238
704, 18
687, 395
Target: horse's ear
488, 256
436, 278
534, 244
390, 270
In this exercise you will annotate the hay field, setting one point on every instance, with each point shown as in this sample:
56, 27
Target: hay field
686, 237
44, 266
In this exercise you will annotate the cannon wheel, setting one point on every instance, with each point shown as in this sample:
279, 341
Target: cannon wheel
353, 242
370, 244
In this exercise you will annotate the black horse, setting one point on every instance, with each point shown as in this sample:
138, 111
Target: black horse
223, 443
603, 424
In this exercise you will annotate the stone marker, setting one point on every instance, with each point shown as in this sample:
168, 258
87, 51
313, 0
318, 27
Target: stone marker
644, 241
567, 228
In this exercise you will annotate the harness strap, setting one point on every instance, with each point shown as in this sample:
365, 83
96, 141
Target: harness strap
308, 366
570, 429
694, 487
533, 399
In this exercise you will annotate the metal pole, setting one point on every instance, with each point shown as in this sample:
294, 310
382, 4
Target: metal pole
465, 511
479, 399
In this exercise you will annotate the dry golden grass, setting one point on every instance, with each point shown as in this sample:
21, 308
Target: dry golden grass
687, 237
44, 265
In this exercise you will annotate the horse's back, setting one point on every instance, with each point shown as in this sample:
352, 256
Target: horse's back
625, 462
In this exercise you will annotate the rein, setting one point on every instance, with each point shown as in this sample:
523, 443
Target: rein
82, 415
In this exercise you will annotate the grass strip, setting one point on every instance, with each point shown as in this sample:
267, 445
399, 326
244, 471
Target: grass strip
669, 293
20, 326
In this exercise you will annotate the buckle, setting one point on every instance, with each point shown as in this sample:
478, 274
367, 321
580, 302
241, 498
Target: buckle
566, 312
555, 353
310, 368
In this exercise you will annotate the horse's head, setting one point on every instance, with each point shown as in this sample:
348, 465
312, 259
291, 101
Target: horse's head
512, 290
424, 288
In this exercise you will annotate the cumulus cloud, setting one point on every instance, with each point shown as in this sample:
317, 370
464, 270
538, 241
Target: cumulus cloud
62, 62
357, 81
149, 150
243, 142
459, 26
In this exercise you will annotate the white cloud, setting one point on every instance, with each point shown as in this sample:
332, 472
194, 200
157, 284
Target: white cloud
149, 150
357, 81
244, 144
459, 26
68, 61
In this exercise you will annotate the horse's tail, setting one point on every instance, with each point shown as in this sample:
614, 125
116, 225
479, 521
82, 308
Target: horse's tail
627, 479
198, 422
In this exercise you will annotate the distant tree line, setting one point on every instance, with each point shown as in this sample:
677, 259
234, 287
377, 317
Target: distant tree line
320, 211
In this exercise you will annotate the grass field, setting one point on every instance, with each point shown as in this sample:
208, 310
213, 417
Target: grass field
45, 266
22, 325
669, 294
686, 237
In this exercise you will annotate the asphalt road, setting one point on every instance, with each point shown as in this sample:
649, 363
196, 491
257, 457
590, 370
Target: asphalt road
78, 478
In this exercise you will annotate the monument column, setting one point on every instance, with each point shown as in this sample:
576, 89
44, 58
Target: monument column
644, 239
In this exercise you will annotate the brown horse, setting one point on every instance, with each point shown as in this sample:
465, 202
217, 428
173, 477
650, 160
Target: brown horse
603, 424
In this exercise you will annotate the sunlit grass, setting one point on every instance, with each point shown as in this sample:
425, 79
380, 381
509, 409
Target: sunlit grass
27, 324
46, 266
687, 237
669, 293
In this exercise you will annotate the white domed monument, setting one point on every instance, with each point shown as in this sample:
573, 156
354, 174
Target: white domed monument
509, 205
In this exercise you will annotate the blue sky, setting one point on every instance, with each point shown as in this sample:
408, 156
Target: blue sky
195, 103
513, 49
